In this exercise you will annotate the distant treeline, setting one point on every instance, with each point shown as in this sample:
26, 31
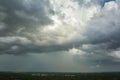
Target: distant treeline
58, 76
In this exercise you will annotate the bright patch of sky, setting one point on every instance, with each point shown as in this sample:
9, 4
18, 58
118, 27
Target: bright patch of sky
104, 1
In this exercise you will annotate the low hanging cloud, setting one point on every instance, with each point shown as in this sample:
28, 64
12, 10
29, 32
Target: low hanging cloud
83, 27
25, 14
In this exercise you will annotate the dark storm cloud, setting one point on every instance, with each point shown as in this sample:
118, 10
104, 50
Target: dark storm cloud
29, 14
106, 32
21, 14
76, 34
18, 48
24, 13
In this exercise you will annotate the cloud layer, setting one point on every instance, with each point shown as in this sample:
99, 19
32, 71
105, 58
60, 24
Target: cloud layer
87, 30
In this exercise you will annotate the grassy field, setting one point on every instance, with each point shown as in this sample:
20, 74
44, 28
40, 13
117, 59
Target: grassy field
59, 76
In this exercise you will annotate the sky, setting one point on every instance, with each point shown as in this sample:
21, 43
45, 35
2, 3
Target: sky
60, 35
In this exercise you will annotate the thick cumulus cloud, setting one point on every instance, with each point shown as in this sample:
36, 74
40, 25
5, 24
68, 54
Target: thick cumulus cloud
104, 28
24, 19
88, 30
18, 17
41, 26
23, 14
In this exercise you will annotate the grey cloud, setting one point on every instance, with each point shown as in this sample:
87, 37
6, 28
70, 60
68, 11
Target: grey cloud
101, 33
24, 46
98, 61
28, 26
17, 15
105, 29
25, 13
